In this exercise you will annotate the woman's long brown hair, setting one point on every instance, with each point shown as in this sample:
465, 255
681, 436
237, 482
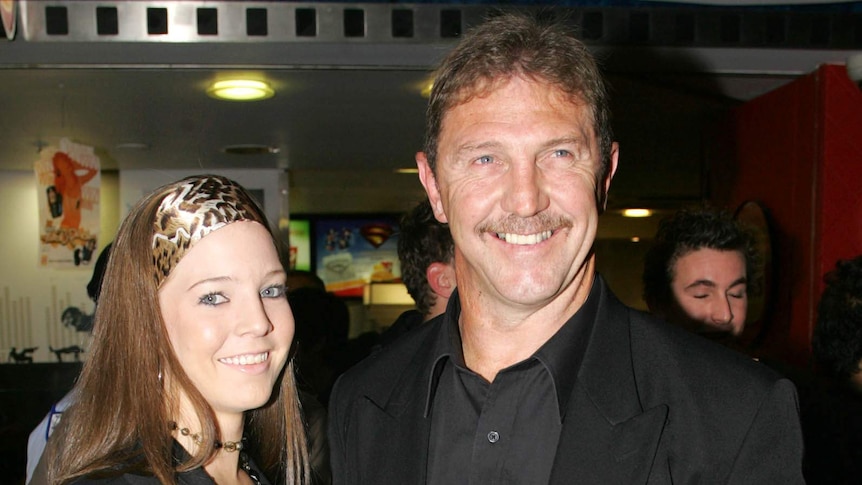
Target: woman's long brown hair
119, 421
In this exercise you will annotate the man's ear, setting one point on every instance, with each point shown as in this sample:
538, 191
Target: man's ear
441, 278
429, 181
606, 183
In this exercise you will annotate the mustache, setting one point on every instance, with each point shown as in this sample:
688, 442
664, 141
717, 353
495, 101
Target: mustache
513, 224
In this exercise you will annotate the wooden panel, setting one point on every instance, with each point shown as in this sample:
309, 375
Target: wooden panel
840, 185
773, 162
798, 150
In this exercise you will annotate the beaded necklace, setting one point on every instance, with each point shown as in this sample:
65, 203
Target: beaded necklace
228, 446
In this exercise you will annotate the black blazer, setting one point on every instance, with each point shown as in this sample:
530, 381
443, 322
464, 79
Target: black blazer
651, 404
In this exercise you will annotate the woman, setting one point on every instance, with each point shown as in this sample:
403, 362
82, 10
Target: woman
69, 185
188, 379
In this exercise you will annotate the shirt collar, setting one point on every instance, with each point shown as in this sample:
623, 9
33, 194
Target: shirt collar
446, 345
562, 354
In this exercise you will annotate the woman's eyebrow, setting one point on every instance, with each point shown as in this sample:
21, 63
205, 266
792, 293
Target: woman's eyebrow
214, 279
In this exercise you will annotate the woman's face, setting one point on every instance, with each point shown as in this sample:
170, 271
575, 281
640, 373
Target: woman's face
227, 316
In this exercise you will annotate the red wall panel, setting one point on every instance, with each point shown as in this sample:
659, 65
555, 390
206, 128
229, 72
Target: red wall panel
839, 224
798, 150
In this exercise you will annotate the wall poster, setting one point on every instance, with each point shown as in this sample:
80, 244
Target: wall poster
68, 180
350, 252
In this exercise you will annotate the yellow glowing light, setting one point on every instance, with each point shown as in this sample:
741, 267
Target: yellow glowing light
637, 213
241, 90
426, 89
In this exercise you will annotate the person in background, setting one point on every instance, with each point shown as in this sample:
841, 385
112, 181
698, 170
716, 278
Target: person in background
189, 378
831, 406
297, 279
321, 320
699, 271
536, 373
39, 436
426, 253
322, 330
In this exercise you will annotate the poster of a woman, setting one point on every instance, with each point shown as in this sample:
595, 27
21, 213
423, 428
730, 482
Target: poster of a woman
69, 180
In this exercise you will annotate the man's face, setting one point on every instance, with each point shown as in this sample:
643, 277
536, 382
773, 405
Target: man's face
709, 288
518, 182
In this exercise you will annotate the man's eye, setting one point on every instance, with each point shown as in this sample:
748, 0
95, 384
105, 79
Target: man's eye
738, 295
700, 297
276, 291
562, 153
484, 160
213, 299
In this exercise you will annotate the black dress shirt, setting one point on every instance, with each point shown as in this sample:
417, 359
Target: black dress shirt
505, 431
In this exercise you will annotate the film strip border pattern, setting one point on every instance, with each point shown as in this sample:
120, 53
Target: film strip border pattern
204, 21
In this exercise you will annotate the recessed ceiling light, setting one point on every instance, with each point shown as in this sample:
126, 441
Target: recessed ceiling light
241, 90
250, 149
637, 212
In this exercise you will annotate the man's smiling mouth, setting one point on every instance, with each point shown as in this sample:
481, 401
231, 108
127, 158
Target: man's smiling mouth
525, 239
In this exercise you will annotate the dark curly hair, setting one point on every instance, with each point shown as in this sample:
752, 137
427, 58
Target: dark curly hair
837, 342
422, 240
688, 230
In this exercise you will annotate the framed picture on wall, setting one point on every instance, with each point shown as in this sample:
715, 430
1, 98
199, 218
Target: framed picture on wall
754, 216
299, 236
347, 251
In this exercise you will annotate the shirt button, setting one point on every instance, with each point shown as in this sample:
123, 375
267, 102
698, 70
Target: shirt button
493, 437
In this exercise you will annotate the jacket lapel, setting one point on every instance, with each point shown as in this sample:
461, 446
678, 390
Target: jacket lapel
607, 437
397, 415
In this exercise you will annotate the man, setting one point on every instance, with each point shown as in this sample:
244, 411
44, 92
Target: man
698, 271
832, 402
536, 373
426, 253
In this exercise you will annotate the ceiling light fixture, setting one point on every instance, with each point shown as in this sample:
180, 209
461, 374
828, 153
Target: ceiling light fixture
241, 90
637, 212
250, 149
426, 89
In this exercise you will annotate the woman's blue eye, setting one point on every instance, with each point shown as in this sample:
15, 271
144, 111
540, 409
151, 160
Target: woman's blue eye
276, 291
213, 299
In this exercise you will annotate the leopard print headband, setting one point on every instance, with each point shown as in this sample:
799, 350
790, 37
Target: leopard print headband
196, 207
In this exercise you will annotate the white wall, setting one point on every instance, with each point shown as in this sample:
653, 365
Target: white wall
134, 184
32, 298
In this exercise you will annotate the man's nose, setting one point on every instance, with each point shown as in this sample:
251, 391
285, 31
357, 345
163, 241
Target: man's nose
722, 312
525, 193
